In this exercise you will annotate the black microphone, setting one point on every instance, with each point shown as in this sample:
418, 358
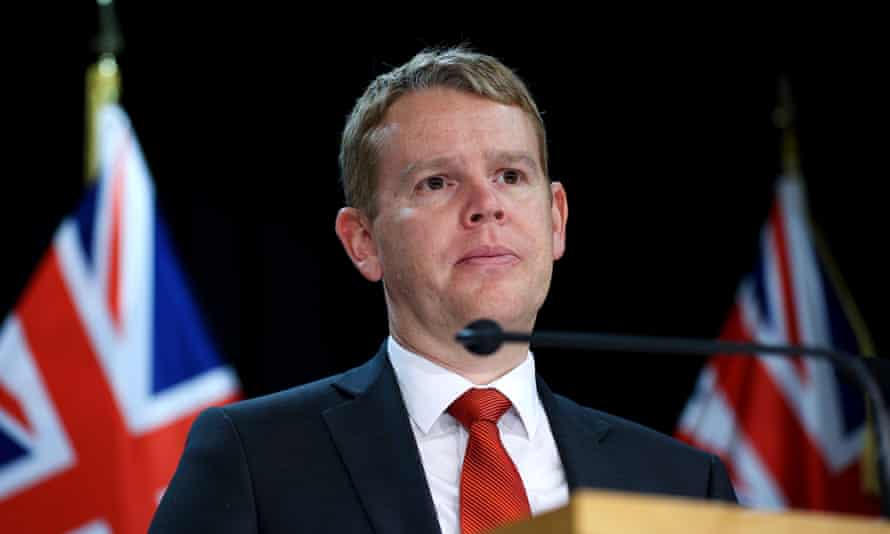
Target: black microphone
484, 337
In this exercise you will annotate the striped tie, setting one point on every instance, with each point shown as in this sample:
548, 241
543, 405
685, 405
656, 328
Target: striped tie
491, 492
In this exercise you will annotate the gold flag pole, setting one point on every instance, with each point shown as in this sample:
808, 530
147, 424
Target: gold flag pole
784, 120
103, 84
783, 117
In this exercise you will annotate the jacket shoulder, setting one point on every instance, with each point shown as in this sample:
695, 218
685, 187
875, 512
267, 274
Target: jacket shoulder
638, 436
306, 400
645, 459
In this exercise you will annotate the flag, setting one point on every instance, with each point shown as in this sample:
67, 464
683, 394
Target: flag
791, 432
104, 362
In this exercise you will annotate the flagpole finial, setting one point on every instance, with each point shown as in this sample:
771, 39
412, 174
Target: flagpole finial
784, 118
102, 81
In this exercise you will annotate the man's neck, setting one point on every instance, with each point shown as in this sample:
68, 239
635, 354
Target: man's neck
479, 370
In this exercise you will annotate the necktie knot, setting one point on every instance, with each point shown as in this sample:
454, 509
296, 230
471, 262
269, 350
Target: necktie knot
479, 405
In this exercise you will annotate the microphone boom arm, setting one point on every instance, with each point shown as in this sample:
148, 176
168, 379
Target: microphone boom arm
485, 337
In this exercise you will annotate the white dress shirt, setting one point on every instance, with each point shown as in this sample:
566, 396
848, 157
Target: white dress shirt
429, 389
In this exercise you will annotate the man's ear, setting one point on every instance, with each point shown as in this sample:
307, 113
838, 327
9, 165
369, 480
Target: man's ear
354, 230
559, 209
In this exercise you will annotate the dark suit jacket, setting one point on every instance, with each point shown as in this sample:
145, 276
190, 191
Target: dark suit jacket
338, 455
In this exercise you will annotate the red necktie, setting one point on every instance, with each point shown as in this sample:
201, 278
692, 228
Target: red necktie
491, 492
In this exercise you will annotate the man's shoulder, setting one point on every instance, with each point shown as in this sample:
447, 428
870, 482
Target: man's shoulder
303, 402
618, 432
612, 452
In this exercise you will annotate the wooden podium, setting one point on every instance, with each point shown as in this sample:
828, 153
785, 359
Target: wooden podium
596, 512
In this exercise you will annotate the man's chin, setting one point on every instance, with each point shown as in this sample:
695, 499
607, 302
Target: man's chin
510, 308
508, 319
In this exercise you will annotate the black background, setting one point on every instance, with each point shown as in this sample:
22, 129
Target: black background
665, 144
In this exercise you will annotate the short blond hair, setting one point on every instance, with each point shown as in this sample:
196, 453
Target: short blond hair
454, 68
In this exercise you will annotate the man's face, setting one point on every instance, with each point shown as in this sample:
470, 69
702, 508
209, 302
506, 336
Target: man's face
468, 226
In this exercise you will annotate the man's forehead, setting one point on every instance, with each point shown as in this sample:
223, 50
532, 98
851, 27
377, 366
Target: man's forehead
455, 120
434, 99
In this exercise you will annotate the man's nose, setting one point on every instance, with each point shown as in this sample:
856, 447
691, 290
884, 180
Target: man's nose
483, 205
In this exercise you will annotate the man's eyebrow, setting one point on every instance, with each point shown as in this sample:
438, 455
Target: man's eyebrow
511, 157
418, 166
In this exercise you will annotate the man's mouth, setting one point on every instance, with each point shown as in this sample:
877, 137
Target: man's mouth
488, 255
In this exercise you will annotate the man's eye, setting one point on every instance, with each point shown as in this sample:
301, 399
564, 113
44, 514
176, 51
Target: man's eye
510, 177
433, 183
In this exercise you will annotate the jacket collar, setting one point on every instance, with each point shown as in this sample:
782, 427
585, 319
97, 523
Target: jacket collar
373, 435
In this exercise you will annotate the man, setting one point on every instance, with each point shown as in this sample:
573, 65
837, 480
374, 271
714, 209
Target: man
444, 166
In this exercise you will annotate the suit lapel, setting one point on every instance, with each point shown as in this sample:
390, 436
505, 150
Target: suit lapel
579, 436
373, 435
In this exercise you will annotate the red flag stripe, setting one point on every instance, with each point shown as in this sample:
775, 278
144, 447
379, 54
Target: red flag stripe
113, 291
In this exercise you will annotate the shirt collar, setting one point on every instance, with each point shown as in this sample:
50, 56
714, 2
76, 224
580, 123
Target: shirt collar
429, 389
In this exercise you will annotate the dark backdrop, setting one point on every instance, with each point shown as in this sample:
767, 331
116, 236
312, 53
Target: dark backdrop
665, 144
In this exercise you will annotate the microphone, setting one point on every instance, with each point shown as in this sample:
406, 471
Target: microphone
484, 337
